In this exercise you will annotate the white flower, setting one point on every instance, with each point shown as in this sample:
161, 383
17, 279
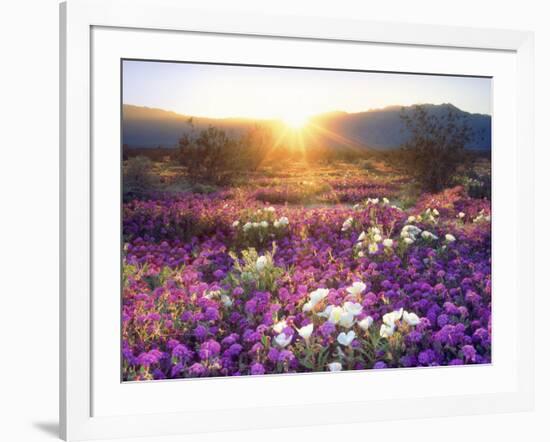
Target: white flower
377, 237
362, 236
247, 226
408, 240
373, 248
264, 224
435, 212
317, 296
461, 215
411, 318
375, 230
385, 200
356, 288
226, 301
347, 224
281, 222
373, 200
346, 338
306, 331
308, 306
347, 319
335, 366
255, 225
365, 323
388, 242
449, 238
326, 313
235, 223
360, 254
280, 326
428, 235
335, 314
386, 330
411, 219
353, 307
283, 340
390, 318
270, 209
261, 262
356, 207
410, 230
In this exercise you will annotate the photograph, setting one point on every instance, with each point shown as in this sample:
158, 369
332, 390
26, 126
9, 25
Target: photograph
290, 219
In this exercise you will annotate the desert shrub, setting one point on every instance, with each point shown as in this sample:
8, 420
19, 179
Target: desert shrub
214, 156
476, 185
256, 142
206, 154
138, 177
436, 147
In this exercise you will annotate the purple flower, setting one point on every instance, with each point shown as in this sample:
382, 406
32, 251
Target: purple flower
327, 329
426, 357
211, 314
257, 368
182, 352
209, 349
201, 332
469, 353
234, 350
147, 359
197, 370
442, 320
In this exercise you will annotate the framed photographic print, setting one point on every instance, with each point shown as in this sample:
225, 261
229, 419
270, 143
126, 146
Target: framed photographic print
268, 210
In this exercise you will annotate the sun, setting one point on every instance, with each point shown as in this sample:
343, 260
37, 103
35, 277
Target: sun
295, 121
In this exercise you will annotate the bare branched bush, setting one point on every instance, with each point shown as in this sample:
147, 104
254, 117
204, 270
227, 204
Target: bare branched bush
436, 147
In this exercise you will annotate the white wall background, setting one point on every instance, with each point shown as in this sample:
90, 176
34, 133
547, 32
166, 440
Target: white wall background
29, 205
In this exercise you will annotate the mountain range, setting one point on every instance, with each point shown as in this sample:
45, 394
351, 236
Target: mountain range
380, 129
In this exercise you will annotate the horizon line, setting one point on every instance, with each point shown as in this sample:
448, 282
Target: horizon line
276, 118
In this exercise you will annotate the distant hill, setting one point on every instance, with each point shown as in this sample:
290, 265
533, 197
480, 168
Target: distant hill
381, 129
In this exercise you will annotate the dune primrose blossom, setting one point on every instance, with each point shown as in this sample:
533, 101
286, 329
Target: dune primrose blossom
411, 318
280, 326
281, 222
306, 331
450, 238
388, 242
365, 323
346, 339
347, 224
315, 297
428, 235
387, 330
335, 366
283, 340
392, 317
356, 288
335, 314
347, 319
353, 307
261, 262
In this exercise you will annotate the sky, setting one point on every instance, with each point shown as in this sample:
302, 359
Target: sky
221, 91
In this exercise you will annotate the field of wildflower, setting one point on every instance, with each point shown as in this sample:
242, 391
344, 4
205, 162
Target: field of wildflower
303, 269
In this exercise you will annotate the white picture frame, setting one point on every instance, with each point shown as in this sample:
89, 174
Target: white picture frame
79, 419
